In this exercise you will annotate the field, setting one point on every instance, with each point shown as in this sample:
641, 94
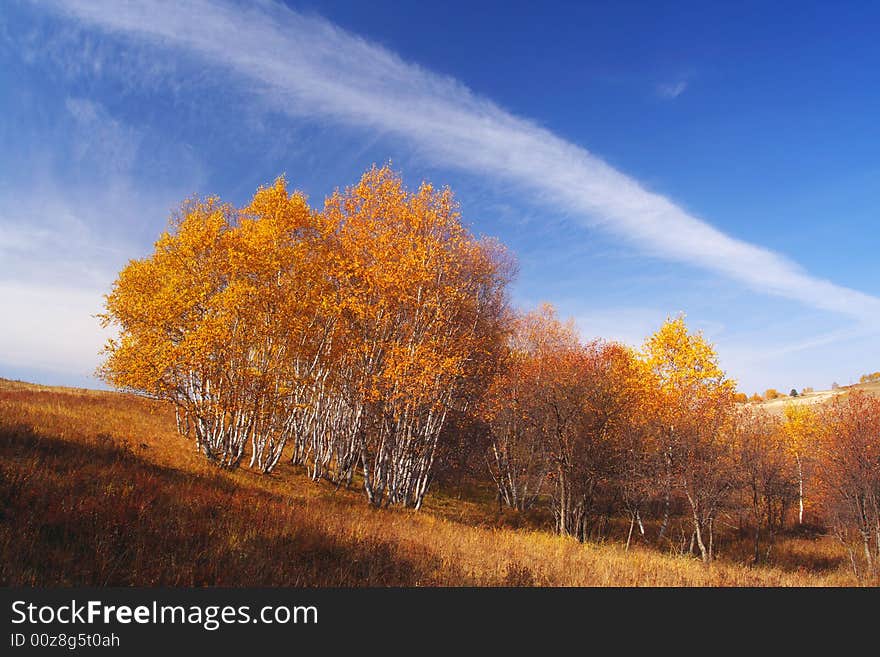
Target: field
97, 488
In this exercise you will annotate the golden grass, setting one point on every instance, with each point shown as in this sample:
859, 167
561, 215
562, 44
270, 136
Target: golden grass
97, 488
816, 398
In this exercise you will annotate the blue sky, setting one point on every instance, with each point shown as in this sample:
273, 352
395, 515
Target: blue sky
640, 159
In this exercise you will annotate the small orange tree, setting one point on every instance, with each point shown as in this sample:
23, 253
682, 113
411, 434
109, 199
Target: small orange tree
567, 413
600, 460
518, 459
848, 461
765, 467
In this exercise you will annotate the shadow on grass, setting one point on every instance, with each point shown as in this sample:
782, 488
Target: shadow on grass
97, 514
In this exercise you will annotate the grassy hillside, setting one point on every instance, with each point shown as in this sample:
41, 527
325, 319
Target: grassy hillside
818, 397
97, 488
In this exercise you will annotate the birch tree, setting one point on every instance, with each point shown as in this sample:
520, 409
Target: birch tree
697, 403
424, 308
178, 338
800, 431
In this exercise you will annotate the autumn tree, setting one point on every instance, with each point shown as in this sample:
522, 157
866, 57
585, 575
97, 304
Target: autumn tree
216, 319
566, 413
349, 334
766, 469
278, 260
873, 377
801, 431
178, 339
599, 385
515, 403
848, 459
697, 403
637, 461
423, 314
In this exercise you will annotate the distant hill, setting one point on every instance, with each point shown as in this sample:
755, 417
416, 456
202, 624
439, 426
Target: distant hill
817, 397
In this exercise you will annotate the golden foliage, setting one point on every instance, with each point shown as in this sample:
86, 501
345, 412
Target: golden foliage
351, 331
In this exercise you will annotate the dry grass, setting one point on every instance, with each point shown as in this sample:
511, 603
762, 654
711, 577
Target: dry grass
98, 489
818, 397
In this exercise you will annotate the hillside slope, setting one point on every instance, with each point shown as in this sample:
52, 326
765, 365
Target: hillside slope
98, 489
817, 397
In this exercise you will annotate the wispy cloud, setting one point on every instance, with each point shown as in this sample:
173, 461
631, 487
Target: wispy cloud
70, 213
102, 139
814, 342
306, 66
670, 90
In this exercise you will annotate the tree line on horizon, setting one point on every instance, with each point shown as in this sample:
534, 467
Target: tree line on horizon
373, 342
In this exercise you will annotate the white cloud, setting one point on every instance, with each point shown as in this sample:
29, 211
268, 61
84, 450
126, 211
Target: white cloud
810, 344
670, 90
308, 67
